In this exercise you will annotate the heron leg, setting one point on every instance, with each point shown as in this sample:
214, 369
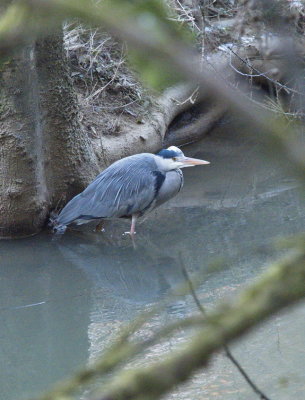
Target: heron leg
132, 231
133, 224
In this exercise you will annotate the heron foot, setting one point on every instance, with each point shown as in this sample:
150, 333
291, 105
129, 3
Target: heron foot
129, 233
132, 237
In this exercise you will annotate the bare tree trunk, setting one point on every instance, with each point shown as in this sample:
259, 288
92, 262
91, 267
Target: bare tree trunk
23, 191
69, 158
44, 155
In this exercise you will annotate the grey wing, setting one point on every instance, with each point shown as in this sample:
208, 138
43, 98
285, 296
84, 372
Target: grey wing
121, 190
123, 196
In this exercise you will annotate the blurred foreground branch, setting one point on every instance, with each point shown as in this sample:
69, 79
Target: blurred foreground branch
282, 285
157, 42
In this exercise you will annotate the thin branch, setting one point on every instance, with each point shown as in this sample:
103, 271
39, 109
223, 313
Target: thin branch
230, 356
264, 74
191, 287
248, 75
244, 374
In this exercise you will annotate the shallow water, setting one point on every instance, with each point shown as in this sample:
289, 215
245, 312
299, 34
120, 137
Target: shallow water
60, 301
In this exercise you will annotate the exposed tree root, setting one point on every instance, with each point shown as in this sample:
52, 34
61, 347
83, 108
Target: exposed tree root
158, 132
195, 130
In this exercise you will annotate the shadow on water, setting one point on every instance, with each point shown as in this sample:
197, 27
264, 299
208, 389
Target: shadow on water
61, 300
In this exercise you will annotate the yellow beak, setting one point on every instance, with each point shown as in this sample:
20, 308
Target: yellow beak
193, 161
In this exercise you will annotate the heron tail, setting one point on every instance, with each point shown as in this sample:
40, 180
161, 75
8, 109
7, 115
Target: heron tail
57, 228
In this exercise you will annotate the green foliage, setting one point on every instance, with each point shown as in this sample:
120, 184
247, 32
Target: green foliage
152, 14
14, 16
151, 20
147, 20
152, 17
156, 73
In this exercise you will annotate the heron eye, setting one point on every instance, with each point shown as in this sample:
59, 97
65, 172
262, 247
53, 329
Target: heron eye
175, 158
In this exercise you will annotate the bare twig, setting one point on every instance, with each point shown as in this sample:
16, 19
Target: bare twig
261, 395
230, 356
264, 74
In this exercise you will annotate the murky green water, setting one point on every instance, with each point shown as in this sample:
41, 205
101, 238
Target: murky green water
60, 301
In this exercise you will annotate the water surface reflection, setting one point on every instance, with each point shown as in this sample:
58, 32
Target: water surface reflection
62, 300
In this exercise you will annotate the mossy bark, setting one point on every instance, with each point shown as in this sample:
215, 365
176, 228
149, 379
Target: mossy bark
23, 192
69, 159
44, 155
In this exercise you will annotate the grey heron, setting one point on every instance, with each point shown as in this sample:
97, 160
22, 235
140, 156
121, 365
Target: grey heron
129, 188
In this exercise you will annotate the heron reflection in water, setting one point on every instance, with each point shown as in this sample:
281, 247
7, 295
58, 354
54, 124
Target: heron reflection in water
129, 188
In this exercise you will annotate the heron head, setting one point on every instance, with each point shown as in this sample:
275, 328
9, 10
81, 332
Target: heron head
173, 158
